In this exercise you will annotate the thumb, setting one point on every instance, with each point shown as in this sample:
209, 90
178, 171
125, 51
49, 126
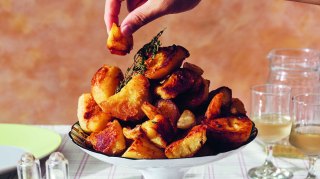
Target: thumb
142, 15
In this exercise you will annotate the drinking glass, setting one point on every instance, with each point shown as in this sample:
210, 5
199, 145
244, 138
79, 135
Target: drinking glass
305, 131
270, 111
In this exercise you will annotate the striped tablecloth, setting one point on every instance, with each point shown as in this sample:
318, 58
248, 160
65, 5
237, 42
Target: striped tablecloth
233, 167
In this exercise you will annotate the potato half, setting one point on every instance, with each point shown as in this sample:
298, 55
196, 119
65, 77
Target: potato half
90, 116
143, 148
165, 61
228, 132
189, 145
126, 104
105, 82
109, 141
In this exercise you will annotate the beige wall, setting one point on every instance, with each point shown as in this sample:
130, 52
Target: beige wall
49, 50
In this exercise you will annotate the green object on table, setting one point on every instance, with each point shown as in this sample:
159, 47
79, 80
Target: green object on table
38, 141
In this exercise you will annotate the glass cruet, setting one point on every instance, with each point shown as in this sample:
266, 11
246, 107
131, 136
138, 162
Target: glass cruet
295, 67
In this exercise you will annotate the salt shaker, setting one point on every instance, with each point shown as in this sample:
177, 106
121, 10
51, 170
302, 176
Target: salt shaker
28, 167
57, 166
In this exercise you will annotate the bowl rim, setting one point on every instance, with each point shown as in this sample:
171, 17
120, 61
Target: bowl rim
253, 135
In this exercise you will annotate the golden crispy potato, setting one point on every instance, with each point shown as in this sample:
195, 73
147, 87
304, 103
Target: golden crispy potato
117, 43
196, 96
220, 103
142, 148
237, 107
179, 82
193, 68
132, 133
214, 108
91, 117
109, 141
186, 120
165, 61
126, 104
169, 110
104, 82
228, 132
189, 145
149, 110
164, 107
158, 130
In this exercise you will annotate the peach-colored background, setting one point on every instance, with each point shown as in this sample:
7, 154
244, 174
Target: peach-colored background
49, 50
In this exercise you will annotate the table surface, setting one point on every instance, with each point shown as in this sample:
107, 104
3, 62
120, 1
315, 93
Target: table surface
81, 165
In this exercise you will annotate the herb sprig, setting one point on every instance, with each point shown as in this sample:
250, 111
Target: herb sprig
138, 67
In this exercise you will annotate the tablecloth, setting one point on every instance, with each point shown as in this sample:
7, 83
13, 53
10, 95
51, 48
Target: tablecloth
83, 166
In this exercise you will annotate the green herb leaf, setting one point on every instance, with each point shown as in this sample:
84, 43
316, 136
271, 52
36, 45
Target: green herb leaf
138, 67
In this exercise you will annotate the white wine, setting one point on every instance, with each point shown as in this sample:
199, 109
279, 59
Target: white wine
272, 127
306, 139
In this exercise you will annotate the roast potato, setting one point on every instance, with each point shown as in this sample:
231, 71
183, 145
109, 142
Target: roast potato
193, 67
104, 82
159, 130
237, 107
90, 116
178, 82
186, 120
133, 133
142, 148
126, 104
228, 132
149, 110
220, 103
110, 140
165, 61
189, 145
196, 96
169, 110
166, 108
117, 43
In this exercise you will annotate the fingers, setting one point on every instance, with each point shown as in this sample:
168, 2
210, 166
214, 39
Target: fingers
140, 16
133, 4
317, 2
111, 13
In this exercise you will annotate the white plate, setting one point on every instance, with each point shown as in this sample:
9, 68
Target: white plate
17, 139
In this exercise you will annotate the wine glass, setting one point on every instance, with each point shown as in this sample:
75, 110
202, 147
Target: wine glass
270, 111
305, 131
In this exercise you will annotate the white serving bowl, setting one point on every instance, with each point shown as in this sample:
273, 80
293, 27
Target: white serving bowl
153, 168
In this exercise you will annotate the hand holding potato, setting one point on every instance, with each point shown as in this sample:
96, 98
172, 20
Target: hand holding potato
142, 12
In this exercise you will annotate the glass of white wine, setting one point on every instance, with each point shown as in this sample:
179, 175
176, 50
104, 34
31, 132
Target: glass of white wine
305, 131
270, 111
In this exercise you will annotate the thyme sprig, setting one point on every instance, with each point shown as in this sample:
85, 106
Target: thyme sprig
138, 67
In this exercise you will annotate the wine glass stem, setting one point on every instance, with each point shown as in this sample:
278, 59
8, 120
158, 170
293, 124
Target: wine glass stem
269, 159
312, 161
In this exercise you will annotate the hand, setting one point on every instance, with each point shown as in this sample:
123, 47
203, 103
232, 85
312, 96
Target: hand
142, 12
317, 2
